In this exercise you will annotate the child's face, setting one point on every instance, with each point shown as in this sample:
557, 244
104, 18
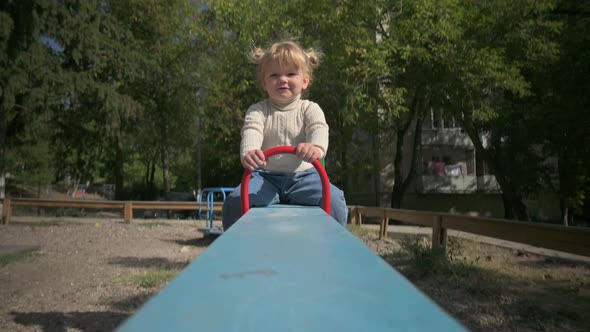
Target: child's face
283, 83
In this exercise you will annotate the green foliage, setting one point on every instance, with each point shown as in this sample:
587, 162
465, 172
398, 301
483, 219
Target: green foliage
18, 257
424, 262
359, 231
132, 92
155, 278
31, 164
561, 101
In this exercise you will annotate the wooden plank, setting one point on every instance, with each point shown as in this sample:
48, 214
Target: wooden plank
409, 216
157, 205
68, 203
575, 240
289, 268
371, 211
378, 212
6, 211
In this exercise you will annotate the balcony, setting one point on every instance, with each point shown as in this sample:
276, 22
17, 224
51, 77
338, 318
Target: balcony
453, 137
456, 184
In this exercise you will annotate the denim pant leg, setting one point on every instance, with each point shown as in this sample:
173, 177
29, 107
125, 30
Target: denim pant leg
261, 193
306, 189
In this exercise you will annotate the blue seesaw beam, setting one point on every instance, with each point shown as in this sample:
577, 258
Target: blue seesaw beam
289, 268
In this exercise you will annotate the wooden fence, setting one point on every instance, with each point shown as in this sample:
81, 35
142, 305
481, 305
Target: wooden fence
127, 207
575, 240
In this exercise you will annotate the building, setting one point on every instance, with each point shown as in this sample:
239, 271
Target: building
450, 176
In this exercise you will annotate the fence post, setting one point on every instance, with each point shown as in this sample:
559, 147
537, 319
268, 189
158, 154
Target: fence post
383, 226
439, 234
128, 212
386, 225
352, 215
359, 216
6, 211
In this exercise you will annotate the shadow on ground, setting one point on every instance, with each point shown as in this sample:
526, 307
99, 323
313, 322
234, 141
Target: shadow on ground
152, 262
132, 303
202, 242
66, 321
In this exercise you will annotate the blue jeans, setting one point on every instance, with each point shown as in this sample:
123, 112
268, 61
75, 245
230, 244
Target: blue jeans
300, 188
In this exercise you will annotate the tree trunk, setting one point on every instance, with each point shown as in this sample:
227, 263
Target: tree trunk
565, 211
377, 166
118, 170
3, 127
400, 185
164, 150
152, 180
565, 187
479, 174
149, 180
508, 209
513, 205
397, 192
165, 168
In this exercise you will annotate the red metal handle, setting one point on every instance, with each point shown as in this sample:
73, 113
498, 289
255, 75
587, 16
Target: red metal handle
244, 192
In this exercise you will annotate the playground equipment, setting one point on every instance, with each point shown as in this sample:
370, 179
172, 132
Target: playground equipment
286, 149
210, 199
289, 268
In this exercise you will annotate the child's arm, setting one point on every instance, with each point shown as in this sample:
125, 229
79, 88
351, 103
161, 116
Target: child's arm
252, 137
316, 132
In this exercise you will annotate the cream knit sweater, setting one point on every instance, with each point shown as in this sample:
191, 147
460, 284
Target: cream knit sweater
268, 124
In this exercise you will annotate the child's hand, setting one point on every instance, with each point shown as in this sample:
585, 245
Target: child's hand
253, 159
308, 152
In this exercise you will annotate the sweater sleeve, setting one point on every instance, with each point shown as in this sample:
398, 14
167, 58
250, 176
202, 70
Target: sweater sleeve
316, 128
253, 130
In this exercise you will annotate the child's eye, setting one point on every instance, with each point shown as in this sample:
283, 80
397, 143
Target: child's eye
274, 75
292, 74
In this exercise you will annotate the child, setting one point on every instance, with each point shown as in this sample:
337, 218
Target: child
284, 72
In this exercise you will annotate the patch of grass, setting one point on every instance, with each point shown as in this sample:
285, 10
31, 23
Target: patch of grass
538, 315
154, 278
45, 223
421, 261
18, 257
491, 288
359, 231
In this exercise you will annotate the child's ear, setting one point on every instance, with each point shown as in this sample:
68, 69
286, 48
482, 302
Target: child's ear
305, 82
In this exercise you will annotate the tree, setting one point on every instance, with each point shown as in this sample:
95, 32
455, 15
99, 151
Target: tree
27, 73
417, 40
500, 42
562, 120
94, 121
169, 83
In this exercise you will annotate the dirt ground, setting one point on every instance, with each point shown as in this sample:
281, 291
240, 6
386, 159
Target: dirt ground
76, 276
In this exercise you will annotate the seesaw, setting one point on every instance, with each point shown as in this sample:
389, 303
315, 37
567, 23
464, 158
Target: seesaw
289, 268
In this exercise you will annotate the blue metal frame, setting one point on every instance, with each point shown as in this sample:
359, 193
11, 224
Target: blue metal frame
289, 268
210, 199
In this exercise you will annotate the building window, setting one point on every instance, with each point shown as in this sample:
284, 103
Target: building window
439, 119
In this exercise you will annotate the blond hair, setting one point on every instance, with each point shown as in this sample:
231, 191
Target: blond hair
286, 53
